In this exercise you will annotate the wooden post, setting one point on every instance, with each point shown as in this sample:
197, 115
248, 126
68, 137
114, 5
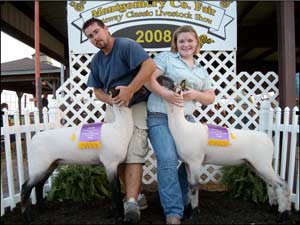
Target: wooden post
286, 53
19, 94
286, 59
37, 56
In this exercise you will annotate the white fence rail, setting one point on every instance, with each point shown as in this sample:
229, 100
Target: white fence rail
13, 170
286, 142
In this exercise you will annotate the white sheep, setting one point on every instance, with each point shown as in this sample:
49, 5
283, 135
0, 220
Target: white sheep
50, 148
251, 147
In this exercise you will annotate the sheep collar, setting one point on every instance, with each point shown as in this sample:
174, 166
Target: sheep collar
90, 136
218, 135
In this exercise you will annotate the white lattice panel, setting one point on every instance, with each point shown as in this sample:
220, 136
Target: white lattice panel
238, 100
77, 102
150, 167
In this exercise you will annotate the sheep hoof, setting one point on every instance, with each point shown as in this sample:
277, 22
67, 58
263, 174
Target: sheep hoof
273, 208
284, 217
195, 215
187, 213
118, 220
42, 208
27, 215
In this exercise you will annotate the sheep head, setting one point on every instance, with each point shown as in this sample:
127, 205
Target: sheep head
114, 92
183, 85
171, 84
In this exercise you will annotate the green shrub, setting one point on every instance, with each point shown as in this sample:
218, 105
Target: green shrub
242, 182
79, 183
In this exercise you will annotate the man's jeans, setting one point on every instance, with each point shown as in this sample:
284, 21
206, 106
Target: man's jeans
172, 184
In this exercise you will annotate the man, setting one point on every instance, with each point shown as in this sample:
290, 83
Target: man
45, 101
122, 63
4, 105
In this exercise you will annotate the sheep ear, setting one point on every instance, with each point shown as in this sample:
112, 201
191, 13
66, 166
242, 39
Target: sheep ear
178, 89
166, 82
183, 85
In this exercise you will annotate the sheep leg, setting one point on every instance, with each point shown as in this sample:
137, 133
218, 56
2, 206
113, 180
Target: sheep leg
39, 187
278, 185
194, 195
270, 188
25, 202
193, 172
272, 196
117, 203
187, 213
284, 200
38, 183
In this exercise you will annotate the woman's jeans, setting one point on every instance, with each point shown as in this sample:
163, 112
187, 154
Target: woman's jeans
172, 183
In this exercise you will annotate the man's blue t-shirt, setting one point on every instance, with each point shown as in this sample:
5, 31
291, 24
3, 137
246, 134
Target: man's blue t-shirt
119, 67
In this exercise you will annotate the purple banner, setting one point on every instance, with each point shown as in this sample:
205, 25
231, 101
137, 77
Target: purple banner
217, 132
90, 132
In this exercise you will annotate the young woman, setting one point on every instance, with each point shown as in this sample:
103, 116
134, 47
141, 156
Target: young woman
179, 64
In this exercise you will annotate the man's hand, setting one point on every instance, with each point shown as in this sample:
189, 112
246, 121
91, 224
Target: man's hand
123, 97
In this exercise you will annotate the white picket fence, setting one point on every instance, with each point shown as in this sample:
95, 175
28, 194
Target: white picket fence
286, 142
285, 137
21, 132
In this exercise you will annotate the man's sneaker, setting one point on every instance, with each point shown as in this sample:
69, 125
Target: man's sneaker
142, 201
131, 211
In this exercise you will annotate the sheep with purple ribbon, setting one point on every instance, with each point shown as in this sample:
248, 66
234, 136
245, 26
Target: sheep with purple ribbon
51, 148
192, 143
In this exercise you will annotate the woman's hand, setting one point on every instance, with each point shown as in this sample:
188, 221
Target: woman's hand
189, 95
173, 98
204, 97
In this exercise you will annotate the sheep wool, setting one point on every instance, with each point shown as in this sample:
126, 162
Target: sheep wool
60, 146
193, 149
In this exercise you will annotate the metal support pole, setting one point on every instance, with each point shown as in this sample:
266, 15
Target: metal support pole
38, 91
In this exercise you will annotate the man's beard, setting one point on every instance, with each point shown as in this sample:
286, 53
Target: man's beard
101, 44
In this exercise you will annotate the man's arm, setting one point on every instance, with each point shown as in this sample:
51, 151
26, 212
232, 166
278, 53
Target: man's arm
144, 74
148, 67
102, 96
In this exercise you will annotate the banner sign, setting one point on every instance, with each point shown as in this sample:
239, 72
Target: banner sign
152, 23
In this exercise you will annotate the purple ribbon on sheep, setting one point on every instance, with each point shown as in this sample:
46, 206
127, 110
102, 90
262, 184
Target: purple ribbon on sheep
90, 135
218, 135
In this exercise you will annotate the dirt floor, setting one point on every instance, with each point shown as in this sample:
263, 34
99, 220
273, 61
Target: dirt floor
215, 208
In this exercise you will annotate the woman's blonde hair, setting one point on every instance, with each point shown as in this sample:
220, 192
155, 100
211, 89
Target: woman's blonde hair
184, 29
